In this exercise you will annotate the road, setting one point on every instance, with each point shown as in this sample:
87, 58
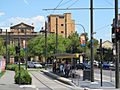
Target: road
43, 82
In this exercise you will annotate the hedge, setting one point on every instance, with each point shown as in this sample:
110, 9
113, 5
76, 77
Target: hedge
25, 78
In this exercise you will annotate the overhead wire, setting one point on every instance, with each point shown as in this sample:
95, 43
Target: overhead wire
103, 27
108, 2
66, 2
58, 5
73, 3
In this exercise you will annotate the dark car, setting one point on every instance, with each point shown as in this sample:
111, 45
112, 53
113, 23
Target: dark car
83, 66
80, 66
105, 65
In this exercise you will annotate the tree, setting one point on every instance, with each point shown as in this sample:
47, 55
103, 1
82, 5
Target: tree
2, 48
36, 46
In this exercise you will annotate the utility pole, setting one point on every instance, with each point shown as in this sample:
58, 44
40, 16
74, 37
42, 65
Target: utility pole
25, 49
101, 58
18, 54
46, 43
117, 47
91, 41
56, 34
6, 47
65, 28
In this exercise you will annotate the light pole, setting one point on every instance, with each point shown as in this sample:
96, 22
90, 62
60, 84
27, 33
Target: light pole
56, 35
45, 33
91, 41
116, 47
6, 47
83, 37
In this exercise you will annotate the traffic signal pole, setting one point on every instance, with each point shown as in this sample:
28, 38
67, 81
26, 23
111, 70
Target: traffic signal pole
91, 41
56, 35
101, 55
18, 53
46, 44
117, 47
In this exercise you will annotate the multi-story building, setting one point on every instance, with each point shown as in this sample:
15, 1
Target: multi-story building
63, 23
107, 44
22, 31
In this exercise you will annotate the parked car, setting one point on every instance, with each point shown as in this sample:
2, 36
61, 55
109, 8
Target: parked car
37, 65
34, 64
80, 66
105, 65
83, 66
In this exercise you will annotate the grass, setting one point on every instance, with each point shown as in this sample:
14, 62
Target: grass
1, 74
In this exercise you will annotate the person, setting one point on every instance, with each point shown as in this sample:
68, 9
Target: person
73, 72
61, 69
67, 70
54, 67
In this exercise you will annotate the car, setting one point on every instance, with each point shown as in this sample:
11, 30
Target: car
37, 65
30, 64
80, 66
105, 65
83, 66
34, 64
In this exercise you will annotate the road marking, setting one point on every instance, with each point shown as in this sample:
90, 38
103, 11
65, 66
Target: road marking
28, 86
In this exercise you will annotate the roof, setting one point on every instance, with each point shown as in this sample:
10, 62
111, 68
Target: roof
66, 55
16, 26
107, 41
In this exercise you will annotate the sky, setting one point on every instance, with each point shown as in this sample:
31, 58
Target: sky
31, 12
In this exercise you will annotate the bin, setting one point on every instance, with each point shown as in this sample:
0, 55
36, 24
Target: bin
86, 74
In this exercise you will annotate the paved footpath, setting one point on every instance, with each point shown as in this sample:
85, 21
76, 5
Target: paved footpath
107, 85
7, 82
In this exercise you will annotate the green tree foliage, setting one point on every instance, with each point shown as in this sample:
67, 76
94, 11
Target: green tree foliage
36, 46
2, 48
11, 49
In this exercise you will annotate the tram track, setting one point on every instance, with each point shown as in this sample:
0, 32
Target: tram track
41, 76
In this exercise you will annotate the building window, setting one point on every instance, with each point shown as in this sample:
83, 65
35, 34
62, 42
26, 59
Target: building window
62, 24
62, 31
22, 31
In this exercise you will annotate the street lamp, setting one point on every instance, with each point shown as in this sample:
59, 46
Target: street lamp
45, 32
83, 40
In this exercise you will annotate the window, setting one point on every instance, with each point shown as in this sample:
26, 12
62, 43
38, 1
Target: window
62, 31
62, 24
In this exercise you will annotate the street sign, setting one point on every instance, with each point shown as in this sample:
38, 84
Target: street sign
82, 40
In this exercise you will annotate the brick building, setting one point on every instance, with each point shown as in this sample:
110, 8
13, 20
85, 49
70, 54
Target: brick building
64, 24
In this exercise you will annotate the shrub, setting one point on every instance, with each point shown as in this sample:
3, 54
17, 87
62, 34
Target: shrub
11, 67
25, 78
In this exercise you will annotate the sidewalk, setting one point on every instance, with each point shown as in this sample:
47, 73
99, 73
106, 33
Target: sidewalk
7, 82
107, 85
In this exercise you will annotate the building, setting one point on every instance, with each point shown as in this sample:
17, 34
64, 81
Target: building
107, 44
22, 31
63, 23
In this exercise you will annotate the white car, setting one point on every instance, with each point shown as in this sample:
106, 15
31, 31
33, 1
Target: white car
37, 65
34, 64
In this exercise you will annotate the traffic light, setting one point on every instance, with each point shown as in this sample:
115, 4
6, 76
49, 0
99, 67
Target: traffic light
17, 49
98, 51
104, 51
117, 34
113, 35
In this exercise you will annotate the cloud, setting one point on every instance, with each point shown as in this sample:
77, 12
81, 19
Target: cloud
37, 21
26, 2
2, 13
